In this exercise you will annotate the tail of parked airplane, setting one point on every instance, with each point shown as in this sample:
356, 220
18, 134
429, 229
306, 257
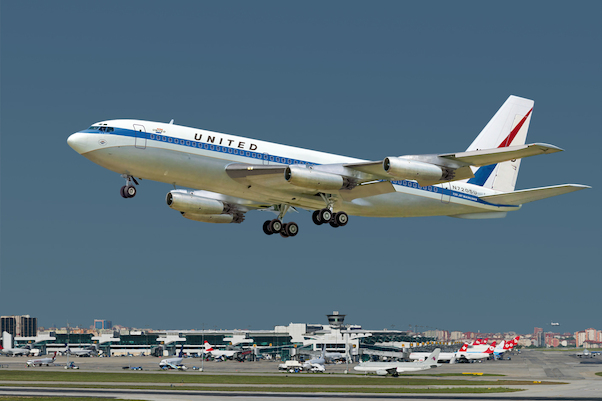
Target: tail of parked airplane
508, 127
208, 346
181, 354
490, 349
464, 348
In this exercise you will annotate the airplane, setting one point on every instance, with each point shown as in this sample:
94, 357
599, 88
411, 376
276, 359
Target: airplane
231, 175
394, 368
463, 354
21, 351
229, 354
554, 324
88, 351
502, 348
588, 354
41, 361
174, 363
316, 364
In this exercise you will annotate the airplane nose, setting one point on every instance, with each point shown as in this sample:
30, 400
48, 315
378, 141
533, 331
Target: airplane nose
78, 142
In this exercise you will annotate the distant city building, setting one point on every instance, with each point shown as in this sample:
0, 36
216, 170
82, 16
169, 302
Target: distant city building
102, 324
590, 334
456, 335
19, 326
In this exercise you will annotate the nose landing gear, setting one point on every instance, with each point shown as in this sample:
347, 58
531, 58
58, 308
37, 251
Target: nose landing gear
128, 190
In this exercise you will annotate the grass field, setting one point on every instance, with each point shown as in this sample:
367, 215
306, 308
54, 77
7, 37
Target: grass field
13, 397
283, 380
294, 389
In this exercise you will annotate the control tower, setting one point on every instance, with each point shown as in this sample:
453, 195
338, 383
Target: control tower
336, 320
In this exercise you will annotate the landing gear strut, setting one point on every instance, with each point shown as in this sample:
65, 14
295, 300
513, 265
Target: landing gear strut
128, 190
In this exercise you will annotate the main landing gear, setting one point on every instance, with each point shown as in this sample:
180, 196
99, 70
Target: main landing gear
128, 190
324, 216
276, 226
319, 217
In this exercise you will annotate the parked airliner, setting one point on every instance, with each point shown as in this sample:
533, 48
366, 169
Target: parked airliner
41, 361
230, 175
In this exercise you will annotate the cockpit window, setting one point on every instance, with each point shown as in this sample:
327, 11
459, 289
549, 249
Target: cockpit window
102, 129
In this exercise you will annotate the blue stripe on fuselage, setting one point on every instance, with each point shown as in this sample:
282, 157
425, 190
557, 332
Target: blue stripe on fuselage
284, 160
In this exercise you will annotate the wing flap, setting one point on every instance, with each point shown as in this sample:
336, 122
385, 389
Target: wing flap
484, 157
366, 190
530, 195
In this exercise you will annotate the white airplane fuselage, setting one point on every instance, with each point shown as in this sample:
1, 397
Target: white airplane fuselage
197, 159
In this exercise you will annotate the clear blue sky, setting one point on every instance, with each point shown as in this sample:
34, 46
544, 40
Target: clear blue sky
363, 79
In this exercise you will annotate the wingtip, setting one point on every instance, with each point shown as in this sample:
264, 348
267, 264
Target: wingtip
549, 148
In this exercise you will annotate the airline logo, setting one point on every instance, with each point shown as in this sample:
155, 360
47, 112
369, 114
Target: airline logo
464, 348
208, 345
482, 174
491, 348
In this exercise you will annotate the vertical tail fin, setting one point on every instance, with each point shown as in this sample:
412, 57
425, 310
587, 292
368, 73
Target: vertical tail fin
433, 357
508, 126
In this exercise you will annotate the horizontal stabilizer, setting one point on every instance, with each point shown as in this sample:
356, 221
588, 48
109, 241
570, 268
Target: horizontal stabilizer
485, 157
533, 194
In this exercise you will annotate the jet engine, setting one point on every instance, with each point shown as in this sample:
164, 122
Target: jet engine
189, 203
215, 218
312, 179
414, 170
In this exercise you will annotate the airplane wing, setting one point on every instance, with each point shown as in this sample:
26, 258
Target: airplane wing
304, 182
437, 168
485, 157
363, 179
530, 195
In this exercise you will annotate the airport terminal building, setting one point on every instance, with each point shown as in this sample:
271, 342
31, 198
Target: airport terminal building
283, 342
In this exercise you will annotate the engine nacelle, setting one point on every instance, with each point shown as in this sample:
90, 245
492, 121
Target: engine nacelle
414, 170
212, 218
312, 179
189, 203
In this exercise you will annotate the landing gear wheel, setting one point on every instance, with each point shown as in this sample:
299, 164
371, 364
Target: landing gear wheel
266, 227
325, 215
283, 234
130, 191
341, 219
291, 229
275, 226
123, 194
315, 217
333, 223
